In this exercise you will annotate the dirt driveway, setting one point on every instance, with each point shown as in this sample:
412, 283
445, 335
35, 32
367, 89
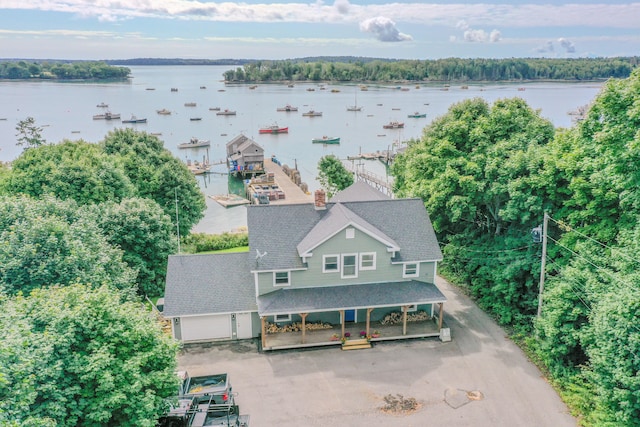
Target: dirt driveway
478, 379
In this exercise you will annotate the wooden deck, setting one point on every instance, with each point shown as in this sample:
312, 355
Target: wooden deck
293, 193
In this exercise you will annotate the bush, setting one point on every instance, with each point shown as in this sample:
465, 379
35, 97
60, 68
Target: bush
201, 242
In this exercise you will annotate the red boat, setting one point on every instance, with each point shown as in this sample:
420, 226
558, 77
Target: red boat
274, 129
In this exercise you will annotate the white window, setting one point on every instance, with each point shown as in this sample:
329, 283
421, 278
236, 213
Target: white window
349, 265
351, 233
330, 263
281, 278
412, 308
368, 261
411, 270
282, 318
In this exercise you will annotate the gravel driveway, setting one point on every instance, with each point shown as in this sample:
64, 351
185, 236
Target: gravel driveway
479, 378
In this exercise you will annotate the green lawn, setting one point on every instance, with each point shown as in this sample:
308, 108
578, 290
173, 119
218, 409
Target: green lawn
224, 251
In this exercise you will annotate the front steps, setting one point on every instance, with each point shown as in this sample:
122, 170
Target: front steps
356, 344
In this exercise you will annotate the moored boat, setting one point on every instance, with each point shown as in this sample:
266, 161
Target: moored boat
417, 115
195, 142
134, 119
274, 129
393, 125
312, 113
107, 116
327, 140
214, 108
226, 112
102, 105
195, 119
164, 112
190, 104
288, 108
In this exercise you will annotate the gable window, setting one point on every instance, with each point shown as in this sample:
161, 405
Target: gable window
368, 261
282, 318
351, 233
349, 265
281, 278
330, 263
411, 270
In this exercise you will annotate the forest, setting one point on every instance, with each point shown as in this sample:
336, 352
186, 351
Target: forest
439, 70
46, 70
488, 174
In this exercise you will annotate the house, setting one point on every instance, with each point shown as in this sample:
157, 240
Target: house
245, 156
354, 260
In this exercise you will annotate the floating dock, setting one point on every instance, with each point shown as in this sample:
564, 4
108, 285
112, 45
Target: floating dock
230, 200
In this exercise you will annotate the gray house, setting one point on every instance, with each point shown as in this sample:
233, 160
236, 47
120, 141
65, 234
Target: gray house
245, 156
347, 263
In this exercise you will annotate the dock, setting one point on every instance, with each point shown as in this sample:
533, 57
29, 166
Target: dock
292, 193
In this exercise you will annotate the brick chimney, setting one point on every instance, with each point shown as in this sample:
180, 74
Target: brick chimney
320, 200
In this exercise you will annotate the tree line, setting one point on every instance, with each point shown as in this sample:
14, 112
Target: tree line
439, 70
487, 175
85, 232
92, 70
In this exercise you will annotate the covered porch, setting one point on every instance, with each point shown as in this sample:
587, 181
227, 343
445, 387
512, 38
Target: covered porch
306, 303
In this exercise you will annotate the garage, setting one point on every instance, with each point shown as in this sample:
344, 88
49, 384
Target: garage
212, 327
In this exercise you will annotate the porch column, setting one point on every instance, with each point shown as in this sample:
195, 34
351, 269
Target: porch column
369, 310
342, 322
441, 314
263, 331
304, 325
404, 319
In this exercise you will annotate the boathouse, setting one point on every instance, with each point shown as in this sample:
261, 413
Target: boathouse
245, 157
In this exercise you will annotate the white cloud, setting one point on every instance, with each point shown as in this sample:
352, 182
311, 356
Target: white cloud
384, 29
568, 45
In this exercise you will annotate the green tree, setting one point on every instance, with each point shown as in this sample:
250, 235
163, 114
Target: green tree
144, 233
43, 243
83, 356
333, 175
29, 134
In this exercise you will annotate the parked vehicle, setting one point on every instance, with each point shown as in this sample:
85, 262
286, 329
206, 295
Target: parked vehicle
191, 413
215, 388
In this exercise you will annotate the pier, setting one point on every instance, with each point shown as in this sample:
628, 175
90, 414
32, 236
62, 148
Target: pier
381, 184
291, 192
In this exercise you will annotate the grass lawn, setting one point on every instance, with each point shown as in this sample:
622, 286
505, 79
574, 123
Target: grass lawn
230, 250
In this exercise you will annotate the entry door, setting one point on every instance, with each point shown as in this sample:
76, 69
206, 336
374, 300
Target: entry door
243, 325
349, 315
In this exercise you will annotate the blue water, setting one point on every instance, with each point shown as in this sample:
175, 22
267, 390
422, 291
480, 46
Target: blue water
65, 111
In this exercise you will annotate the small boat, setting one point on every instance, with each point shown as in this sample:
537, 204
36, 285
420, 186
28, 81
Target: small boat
274, 129
134, 119
327, 140
214, 108
195, 142
195, 119
102, 105
287, 108
164, 112
174, 89
253, 86
290, 85
310, 89
417, 115
312, 113
107, 116
150, 88
393, 125
226, 112
190, 104
521, 89
203, 87
335, 90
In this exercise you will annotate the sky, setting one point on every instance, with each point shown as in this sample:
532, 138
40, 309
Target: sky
283, 29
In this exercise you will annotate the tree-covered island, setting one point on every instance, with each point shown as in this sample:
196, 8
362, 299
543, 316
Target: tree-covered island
91, 70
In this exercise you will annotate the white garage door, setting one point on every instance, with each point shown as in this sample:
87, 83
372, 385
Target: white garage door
206, 327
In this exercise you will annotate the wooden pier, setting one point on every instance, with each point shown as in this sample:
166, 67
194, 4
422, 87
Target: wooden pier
382, 184
293, 194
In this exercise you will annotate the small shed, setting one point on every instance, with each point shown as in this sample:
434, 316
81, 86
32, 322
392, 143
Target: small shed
245, 156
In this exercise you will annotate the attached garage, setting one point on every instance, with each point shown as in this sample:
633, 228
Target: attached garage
199, 328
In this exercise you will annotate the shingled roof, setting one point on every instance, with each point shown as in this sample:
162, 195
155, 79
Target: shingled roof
279, 229
208, 284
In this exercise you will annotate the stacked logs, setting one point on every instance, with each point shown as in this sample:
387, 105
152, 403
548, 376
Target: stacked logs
395, 317
272, 328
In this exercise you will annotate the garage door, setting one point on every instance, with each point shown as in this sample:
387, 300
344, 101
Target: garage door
206, 327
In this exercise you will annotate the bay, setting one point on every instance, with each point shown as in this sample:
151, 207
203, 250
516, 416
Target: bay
65, 111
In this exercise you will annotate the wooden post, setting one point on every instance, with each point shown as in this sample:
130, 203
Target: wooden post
342, 322
369, 310
304, 325
440, 314
404, 319
263, 327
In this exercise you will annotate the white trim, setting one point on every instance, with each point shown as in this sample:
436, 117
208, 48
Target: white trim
278, 285
355, 266
390, 246
324, 263
404, 269
417, 260
372, 267
286, 317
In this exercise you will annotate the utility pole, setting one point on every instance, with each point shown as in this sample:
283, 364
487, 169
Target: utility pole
177, 219
543, 262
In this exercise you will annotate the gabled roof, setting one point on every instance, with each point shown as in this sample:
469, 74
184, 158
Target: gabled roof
279, 229
357, 192
208, 284
337, 219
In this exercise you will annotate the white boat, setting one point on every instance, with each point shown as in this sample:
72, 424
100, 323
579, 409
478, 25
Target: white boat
195, 142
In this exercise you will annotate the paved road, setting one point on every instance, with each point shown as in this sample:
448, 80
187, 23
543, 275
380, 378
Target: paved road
478, 379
